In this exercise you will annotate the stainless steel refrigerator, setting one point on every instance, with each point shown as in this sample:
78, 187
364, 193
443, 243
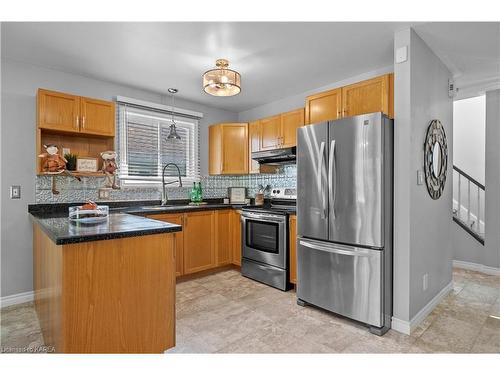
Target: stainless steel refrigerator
344, 218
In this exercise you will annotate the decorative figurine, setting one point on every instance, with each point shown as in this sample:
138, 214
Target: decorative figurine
54, 164
109, 168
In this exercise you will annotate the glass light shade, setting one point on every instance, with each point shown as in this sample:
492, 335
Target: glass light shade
173, 132
222, 81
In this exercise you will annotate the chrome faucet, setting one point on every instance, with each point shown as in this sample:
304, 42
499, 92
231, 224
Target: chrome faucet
164, 197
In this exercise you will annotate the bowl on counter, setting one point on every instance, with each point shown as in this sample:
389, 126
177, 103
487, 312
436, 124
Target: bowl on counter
83, 215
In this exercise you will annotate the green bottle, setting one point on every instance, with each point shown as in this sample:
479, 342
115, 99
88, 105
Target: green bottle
199, 193
193, 194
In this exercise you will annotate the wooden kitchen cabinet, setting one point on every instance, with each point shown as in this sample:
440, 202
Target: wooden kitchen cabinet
70, 113
270, 129
97, 117
253, 145
228, 149
199, 241
290, 122
58, 111
236, 236
367, 96
293, 249
224, 238
178, 239
372, 95
324, 106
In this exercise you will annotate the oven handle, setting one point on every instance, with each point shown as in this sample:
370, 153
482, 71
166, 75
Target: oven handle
263, 218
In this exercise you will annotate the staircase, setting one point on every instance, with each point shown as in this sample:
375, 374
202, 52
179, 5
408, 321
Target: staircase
468, 204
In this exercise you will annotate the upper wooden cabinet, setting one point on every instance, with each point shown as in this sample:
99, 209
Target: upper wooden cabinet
372, 95
228, 148
290, 122
58, 111
253, 145
74, 114
270, 130
281, 130
366, 97
97, 117
324, 106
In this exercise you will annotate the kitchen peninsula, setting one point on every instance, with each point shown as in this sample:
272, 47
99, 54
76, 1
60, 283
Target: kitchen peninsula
108, 288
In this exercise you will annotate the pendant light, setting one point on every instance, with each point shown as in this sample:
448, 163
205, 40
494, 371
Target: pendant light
222, 81
173, 131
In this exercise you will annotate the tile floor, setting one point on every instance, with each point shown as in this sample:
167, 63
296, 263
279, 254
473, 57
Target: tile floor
227, 313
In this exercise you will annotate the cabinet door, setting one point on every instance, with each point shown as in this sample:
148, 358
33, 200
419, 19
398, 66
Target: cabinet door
223, 232
293, 249
253, 145
235, 148
270, 133
58, 111
236, 234
323, 106
97, 117
199, 249
214, 150
290, 121
179, 239
366, 97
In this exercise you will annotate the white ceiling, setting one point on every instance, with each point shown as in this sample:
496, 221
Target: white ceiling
275, 59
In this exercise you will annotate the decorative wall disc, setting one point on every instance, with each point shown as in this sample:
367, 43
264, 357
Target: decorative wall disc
435, 159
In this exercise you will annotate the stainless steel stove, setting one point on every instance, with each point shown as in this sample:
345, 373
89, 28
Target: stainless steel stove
265, 248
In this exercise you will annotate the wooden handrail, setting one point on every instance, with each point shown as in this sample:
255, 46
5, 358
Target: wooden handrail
471, 179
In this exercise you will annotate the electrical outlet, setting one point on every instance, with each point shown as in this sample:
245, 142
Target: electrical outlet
420, 177
103, 193
425, 282
15, 192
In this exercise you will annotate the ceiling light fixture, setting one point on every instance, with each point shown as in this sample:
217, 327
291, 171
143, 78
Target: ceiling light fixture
222, 81
173, 131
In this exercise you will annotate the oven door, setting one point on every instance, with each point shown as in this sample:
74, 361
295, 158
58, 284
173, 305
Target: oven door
264, 238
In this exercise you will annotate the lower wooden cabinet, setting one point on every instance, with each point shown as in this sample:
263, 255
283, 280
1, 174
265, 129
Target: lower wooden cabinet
179, 239
199, 241
208, 239
224, 239
236, 237
293, 249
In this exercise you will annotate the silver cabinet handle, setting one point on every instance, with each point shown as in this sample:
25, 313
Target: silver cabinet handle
331, 190
334, 250
83, 122
319, 181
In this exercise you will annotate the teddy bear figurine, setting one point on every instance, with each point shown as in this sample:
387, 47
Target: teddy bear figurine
109, 168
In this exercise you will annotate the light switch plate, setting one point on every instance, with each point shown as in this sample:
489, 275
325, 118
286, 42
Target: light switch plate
420, 177
401, 54
15, 192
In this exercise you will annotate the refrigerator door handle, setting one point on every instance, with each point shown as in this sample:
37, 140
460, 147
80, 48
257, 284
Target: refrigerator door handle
336, 250
332, 192
319, 179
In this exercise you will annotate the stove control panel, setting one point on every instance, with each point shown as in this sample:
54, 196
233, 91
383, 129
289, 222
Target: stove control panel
284, 193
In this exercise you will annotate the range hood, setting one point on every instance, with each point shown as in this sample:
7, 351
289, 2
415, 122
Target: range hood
278, 156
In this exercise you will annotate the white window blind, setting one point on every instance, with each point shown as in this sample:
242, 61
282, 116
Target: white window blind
144, 148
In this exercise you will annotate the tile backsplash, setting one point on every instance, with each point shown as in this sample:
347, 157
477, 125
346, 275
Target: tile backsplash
71, 190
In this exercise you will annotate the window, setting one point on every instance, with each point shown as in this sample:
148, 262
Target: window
144, 148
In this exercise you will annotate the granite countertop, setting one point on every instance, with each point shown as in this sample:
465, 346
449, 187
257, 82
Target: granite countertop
119, 225
126, 219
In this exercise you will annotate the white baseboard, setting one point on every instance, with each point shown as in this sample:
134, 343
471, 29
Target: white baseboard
15, 299
407, 327
477, 267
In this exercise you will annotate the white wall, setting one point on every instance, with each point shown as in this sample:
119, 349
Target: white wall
492, 181
19, 86
422, 229
469, 126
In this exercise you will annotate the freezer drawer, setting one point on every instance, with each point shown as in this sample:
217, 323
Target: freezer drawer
343, 279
